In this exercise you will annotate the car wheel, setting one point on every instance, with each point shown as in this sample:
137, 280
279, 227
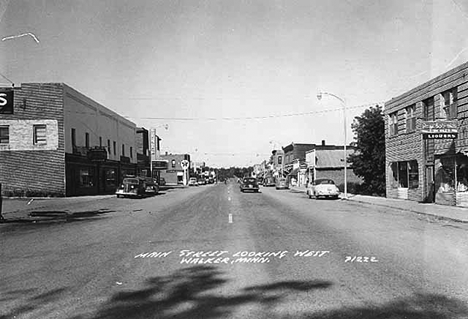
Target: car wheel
118, 196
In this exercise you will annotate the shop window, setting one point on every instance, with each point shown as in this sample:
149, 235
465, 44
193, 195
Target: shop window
393, 124
40, 134
449, 104
404, 174
444, 175
86, 177
410, 119
4, 135
111, 178
413, 174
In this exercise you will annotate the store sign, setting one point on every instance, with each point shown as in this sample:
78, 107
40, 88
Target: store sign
6, 101
439, 136
439, 130
97, 154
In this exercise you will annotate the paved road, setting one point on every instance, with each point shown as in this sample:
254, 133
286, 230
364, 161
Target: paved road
213, 252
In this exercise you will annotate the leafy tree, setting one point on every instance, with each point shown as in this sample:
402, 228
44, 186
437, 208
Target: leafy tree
369, 160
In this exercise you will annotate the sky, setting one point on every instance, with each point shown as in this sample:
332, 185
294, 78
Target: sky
234, 79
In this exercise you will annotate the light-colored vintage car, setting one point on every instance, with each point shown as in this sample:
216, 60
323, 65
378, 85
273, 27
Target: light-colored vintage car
323, 187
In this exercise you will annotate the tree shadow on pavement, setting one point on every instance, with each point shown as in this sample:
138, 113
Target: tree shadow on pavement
31, 303
195, 293
186, 294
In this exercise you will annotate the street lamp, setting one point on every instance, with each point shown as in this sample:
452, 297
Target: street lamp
319, 97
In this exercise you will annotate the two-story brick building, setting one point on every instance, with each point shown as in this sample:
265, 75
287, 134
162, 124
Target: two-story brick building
56, 141
426, 137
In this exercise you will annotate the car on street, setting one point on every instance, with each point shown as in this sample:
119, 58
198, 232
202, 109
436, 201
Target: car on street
249, 184
282, 183
269, 181
323, 187
193, 181
137, 187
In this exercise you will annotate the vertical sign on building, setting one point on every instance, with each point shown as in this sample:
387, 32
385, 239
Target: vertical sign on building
153, 143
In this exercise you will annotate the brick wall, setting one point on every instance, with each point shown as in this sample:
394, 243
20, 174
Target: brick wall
27, 168
410, 146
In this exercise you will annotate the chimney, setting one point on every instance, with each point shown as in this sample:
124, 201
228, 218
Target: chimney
323, 142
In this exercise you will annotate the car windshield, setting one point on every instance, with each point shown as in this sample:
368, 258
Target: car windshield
131, 181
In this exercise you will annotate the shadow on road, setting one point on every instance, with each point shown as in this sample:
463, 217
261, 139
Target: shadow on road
188, 293
31, 303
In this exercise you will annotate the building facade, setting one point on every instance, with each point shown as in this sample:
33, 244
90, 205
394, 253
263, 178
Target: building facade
55, 141
426, 137
176, 173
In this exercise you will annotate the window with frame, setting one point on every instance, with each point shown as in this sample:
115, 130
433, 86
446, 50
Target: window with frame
123, 150
4, 135
87, 140
405, 174
115, 148
410, 118
131, 152
73, 137
100, 141
449, 104
86, 177
393, 124
108, 147
39, 134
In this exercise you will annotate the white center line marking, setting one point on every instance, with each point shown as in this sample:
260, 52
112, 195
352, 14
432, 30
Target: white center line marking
230, 218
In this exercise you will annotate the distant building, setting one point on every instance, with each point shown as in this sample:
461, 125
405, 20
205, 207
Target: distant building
175, 172
294, 162
55, 141
327, 161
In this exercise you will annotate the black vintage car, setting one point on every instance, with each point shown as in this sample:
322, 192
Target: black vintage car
249, 184
137, 187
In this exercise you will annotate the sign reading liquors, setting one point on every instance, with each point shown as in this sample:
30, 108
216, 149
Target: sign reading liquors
6, 101
440, 129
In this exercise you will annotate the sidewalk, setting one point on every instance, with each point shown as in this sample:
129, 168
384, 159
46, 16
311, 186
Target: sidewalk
453, 213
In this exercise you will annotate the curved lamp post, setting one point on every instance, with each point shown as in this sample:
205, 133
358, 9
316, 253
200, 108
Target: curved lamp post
319, 97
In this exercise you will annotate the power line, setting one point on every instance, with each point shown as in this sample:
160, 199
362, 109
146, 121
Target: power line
250, 117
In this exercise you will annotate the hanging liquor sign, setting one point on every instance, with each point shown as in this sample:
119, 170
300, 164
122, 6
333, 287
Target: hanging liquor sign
6, 101
97, 154
438, 130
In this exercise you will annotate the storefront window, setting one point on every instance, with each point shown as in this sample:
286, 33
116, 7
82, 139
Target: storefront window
445, 177
86, 177
404, 174
413, 174
111, 178
462, 176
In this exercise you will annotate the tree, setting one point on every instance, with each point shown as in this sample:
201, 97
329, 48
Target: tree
369, 159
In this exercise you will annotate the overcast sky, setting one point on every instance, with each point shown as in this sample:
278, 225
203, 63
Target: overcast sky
234, 70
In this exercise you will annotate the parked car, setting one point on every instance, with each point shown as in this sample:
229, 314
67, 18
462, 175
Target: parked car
193, 181
249, 184
137, 187
282, 183
269, 181
323, 187
202, 181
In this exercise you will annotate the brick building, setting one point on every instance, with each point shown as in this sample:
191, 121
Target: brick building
175, 173
426, 137
56, 141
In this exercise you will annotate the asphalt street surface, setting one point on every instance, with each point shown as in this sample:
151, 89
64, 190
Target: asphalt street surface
214, 252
